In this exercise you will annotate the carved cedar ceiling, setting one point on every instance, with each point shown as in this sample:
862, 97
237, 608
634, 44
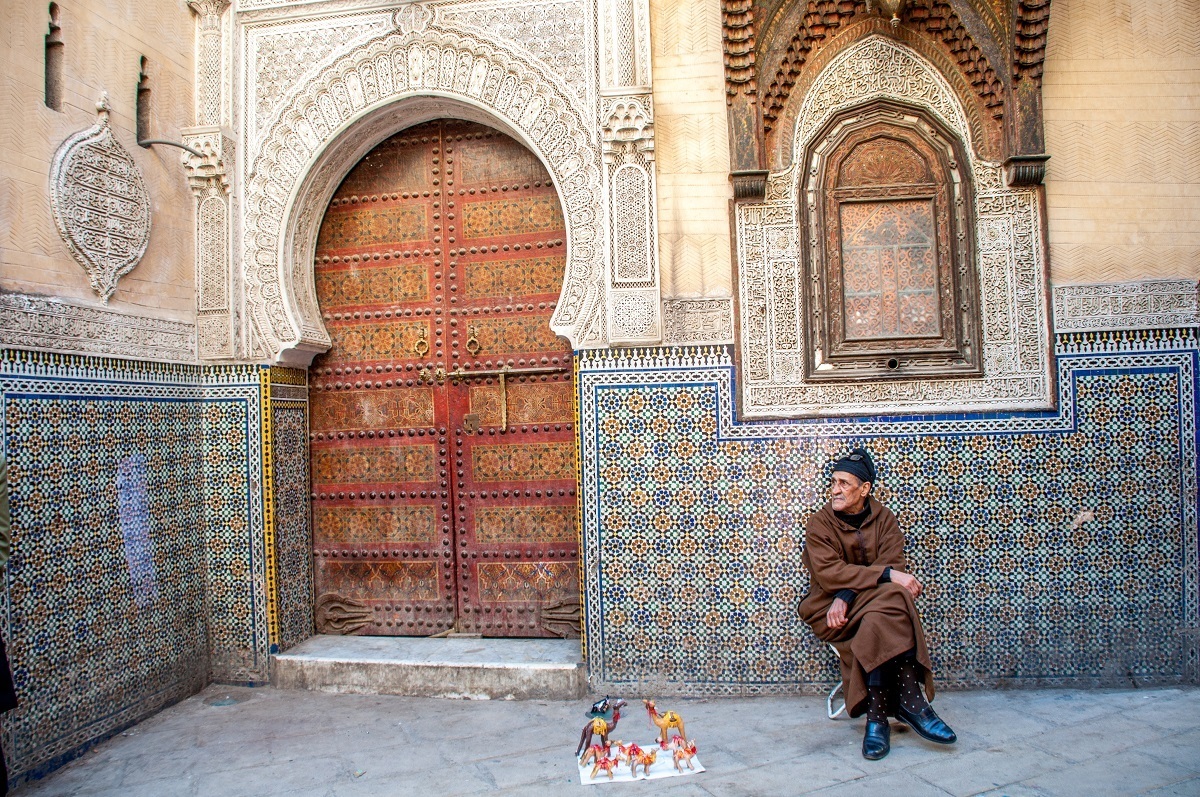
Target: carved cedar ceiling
991, 52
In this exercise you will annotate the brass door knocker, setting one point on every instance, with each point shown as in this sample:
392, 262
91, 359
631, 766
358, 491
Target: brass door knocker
473, 345
421, 347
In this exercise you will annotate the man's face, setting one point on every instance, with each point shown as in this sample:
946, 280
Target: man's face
848, 493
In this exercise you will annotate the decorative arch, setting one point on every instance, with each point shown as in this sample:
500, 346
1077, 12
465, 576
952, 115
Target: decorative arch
878, 68
986, 133
382, 86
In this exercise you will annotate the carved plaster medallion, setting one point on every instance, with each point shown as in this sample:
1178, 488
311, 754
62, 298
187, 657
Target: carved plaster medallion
635, 315
100, 203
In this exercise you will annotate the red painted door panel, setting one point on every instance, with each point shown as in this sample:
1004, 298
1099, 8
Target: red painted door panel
442, 499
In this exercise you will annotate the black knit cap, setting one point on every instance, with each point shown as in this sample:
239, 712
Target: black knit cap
858, 463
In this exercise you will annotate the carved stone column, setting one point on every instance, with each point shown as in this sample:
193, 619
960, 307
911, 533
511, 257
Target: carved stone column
218, 299
210, 79
630, 187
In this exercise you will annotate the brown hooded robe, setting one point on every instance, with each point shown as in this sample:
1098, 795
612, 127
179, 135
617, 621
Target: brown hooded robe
882, 622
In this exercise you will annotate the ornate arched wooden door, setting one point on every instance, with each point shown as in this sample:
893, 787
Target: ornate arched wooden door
443, 450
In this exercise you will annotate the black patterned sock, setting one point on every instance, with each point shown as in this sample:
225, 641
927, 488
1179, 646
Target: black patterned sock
908, 685
876, 704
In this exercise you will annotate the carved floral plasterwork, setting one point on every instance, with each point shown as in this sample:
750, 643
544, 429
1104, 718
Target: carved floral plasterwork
100, 204
214, 165
627, 127
281, 58
208, 177
292, 158
1010, 259
210, 60
43, 324
555, 33
1153, 304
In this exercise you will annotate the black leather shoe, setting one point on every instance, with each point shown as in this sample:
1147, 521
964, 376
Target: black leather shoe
877, 741
927, 724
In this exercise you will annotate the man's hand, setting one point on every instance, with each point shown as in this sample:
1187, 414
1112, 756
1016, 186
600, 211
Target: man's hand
836, 616
907, 581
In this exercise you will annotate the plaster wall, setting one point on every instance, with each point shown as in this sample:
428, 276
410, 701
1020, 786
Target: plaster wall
1123, 133
104, 42
692, 143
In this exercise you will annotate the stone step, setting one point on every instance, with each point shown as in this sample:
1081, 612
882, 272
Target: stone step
481, 669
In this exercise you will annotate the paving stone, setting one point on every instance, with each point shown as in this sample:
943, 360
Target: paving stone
1178, 748
1171, 711
1184, 788
799, 775
982, 770
1127, 773
1018, 790
908, 750
309, 744
1095, 737
1073, 706
521, 768
898, 783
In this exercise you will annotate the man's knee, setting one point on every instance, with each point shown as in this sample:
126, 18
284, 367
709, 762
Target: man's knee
887, 593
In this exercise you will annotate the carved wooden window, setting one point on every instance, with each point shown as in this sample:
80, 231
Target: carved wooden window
890, 259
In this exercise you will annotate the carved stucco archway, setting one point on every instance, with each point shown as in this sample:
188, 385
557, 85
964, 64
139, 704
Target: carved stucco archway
378, 88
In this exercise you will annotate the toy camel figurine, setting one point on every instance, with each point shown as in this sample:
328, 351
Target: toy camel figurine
594, 754
664, 722
605, 764
604, 717
626, 752
684, 752
645, 759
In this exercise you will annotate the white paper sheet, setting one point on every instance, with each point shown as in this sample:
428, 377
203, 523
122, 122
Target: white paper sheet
663, 767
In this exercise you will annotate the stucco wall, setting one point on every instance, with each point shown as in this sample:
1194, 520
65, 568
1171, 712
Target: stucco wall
692, 149
1123, 132
104, 42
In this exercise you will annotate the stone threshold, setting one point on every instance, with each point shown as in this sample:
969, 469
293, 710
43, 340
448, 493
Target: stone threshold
450, 667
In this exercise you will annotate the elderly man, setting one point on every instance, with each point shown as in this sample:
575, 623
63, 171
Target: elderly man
861, 598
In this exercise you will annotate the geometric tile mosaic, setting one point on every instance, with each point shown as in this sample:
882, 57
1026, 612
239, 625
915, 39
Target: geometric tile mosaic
232, 456
135, 577
694, 523
293, 538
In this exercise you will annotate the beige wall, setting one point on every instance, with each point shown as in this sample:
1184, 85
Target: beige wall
1122, 110
691, 143
105, 40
